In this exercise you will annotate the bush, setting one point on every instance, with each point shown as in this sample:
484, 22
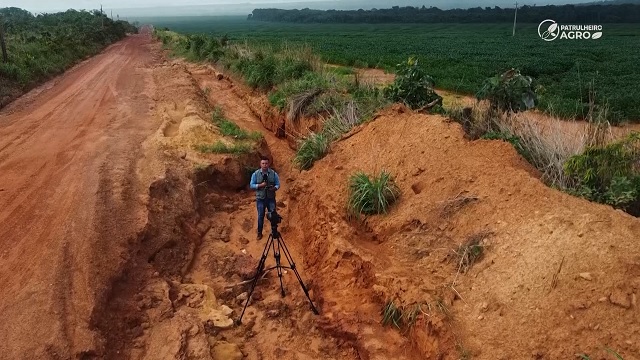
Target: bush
510, 91
370, 196
609, 174
413, 86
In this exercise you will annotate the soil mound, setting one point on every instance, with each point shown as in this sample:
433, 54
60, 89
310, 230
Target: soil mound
557, 275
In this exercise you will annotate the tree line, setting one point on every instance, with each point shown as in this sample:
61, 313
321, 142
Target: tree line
594, 14
40, 46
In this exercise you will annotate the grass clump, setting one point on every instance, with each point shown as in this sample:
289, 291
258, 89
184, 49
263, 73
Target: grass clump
391, 315
403, 316
229, 128
221, 148
471, 251
371, 195
312, 148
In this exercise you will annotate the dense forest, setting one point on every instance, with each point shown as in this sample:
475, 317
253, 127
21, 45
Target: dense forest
45, 45
572, 14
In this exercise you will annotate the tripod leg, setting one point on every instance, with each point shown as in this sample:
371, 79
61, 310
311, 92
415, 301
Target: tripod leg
293, 267
259, 271
276, 254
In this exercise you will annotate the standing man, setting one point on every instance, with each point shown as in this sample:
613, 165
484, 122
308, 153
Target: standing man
265, 182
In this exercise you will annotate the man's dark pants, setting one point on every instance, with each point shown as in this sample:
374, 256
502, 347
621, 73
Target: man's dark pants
263, 204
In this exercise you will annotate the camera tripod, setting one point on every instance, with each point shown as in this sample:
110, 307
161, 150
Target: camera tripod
275, 242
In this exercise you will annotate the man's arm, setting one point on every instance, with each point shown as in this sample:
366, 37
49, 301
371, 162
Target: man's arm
277, 185
254, 183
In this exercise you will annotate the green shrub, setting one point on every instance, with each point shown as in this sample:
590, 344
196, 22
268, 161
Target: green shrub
609, 174
371, 195
510, 91
311, 149
412, 86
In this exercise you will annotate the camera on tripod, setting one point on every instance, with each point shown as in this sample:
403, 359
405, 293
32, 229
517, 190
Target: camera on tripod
275, 219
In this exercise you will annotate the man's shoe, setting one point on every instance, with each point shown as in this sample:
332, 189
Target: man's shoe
259, 237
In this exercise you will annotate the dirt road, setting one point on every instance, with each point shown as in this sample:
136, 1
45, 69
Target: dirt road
69, 198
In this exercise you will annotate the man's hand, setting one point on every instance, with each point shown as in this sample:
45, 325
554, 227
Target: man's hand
262, 184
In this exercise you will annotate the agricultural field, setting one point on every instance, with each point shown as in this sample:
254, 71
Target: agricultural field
461, 56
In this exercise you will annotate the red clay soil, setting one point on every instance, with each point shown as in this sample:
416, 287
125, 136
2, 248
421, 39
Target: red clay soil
114, 247
558, 275
69, 198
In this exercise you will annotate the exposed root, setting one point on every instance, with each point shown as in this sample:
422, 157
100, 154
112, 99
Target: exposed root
455, 204
248, 281
470, 252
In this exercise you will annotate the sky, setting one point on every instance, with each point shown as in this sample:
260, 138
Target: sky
237, 7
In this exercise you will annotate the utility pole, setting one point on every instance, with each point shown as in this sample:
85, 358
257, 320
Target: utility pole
5, 58
514, 20
102, 16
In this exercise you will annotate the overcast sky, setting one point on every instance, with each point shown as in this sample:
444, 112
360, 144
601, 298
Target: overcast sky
245, 6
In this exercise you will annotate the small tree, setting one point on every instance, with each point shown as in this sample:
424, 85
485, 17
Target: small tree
413, 86
510, 91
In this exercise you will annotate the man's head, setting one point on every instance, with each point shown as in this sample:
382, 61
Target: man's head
264, 163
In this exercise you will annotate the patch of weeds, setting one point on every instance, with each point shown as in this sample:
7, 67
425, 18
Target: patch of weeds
464, 353
229, 128
391, 314
311, 82
200, 167
342, 70
471, 251
371, 195
221, 148
444, 309
311, 149
412, 313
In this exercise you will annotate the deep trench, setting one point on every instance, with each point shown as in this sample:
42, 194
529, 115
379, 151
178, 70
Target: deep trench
166, 247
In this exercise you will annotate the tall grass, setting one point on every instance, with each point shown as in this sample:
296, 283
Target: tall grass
312, 148
546, 144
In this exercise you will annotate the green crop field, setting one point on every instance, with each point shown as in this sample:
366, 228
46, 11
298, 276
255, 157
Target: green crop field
461, 56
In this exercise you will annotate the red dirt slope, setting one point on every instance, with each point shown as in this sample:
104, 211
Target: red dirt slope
559, 275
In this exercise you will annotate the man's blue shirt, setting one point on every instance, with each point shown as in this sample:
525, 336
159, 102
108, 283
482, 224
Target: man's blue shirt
254, 179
